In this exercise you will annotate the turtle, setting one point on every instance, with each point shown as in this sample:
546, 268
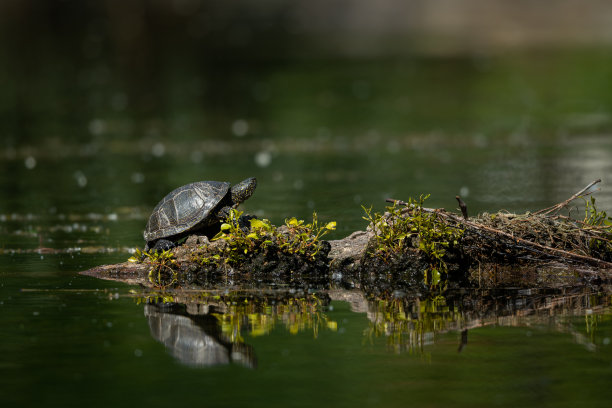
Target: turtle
191, 208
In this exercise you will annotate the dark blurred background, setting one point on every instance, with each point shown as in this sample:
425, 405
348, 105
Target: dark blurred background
331, 104
74, 61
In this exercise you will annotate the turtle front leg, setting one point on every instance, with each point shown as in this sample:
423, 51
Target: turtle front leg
223, 213
243, 221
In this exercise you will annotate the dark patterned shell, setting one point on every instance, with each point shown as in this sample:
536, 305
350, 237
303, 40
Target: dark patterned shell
186, 207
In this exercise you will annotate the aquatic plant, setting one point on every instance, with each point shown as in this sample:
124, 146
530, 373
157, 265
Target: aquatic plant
163, 271
601, 224
303, 239
409, 226
594, 217
239, 239
242, 241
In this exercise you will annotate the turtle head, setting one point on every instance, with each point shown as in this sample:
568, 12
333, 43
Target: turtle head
243, 190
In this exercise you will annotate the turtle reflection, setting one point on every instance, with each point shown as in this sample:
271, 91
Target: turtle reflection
195, 339
205, 329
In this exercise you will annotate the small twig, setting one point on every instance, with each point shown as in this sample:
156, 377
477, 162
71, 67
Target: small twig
394, 201
557, 207
463, 207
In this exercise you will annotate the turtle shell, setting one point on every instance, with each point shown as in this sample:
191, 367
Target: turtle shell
185, 208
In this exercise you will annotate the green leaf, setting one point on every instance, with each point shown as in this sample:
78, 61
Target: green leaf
331, 225
225, 227
255, 223
435, 276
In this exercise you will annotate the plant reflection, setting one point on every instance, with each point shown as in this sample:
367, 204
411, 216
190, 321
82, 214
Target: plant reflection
203, 328
411, 323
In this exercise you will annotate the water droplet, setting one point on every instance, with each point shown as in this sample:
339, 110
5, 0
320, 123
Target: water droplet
240, 127
158, 149
464, 192
81, 179
137, 178
97, 126
263, 159
30, 162
138, 353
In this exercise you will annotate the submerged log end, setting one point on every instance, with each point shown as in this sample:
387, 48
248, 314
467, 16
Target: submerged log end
347, 253
128, 272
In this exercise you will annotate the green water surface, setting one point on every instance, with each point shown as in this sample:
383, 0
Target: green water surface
84, 160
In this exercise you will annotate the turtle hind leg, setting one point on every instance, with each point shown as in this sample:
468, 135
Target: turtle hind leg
161, 245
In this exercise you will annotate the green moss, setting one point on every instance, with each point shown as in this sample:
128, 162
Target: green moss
601, 225
410, 226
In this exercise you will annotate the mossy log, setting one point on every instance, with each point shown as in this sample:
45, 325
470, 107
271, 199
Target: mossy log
541, 249
347, 263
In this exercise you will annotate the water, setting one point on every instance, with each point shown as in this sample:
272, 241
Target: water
81, 173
